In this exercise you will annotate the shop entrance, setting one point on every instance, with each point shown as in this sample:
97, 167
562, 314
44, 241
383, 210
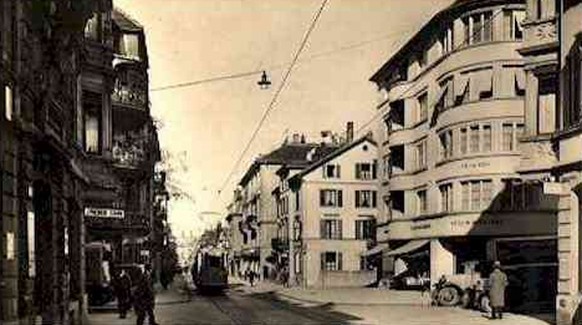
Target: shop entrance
532, 270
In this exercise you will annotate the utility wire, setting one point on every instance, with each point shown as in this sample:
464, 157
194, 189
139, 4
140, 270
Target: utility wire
276, 95
276, 66
405, 92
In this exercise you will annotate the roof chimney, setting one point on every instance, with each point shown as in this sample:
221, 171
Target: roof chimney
350, 132
296, 138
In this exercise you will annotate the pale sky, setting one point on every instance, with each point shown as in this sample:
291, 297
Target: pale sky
206, 126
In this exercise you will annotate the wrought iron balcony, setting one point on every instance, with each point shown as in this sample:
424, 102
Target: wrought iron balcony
130, 89
129, 153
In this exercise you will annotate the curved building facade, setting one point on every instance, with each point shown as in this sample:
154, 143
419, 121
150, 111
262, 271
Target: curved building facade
452, 102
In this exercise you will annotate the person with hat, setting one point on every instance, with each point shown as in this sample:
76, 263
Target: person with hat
497, 284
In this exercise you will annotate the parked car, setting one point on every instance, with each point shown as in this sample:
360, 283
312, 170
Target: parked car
409, 280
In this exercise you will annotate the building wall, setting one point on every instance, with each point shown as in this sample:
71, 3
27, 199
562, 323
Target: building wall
311, 214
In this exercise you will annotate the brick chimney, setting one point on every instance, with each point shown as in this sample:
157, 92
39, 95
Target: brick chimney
350, 132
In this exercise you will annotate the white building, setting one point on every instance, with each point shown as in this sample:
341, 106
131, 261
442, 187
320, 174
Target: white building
329, 209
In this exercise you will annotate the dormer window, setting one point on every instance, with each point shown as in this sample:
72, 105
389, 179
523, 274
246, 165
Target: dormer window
129, 46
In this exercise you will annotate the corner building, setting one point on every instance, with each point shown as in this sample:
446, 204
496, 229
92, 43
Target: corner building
453, 101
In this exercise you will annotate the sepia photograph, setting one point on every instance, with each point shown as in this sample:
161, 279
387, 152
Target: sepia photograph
290, 162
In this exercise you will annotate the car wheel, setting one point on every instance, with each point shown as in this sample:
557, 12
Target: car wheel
449, 296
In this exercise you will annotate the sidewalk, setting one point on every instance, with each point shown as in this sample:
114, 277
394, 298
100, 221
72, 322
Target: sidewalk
373, 304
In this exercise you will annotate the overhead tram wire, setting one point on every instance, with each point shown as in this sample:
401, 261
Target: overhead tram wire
347, 47
276, 94
409, 88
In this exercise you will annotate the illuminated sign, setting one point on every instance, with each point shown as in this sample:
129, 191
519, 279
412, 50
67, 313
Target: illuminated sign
104, 213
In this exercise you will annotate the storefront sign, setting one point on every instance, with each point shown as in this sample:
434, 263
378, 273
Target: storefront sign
104, 213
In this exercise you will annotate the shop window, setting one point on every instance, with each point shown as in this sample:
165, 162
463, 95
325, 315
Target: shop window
332, 171
366, 199
366, 228
421, 202
446, 192
478, 28
512, 24
331, 261
546, 104
331, 228
420, 150
330, 198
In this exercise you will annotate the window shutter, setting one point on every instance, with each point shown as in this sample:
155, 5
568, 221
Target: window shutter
375, 169
324, 171
357, 171
339, 261
322, 259
357, 199
374, 199
322, 229
322, 198
339, 199
339, 229
338, 171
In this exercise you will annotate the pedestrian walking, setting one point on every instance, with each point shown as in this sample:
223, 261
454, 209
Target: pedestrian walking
145, 298
497, 284
122, 287
252, 277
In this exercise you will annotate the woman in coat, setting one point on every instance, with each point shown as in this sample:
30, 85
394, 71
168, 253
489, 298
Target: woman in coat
497, 284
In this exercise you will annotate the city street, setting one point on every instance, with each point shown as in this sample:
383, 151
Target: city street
269, 304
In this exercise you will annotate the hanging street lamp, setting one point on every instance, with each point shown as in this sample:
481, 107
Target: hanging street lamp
264, 83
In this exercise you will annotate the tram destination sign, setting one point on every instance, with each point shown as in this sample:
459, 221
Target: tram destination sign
104, 213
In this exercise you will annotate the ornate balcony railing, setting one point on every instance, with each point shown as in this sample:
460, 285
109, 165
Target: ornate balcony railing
128, 153
130, 89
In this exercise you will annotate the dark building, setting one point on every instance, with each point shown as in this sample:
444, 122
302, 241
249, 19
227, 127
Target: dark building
120, 148
40, 182
77, 150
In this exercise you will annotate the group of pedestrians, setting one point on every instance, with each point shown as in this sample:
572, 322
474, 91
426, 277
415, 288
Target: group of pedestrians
139, 292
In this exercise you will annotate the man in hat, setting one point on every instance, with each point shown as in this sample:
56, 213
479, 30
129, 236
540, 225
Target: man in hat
497, 284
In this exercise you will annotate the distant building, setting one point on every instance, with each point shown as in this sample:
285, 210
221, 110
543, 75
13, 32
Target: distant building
326, 215
454, 192
257, 207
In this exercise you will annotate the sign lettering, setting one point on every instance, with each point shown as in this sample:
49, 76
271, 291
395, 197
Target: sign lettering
104, 213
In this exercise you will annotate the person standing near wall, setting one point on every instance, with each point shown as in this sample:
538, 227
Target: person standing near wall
497, 284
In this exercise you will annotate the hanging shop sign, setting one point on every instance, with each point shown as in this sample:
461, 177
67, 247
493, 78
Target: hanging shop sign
104, 213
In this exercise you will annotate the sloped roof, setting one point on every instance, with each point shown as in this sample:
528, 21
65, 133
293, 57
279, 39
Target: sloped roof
125, 22
334, 154
291, 154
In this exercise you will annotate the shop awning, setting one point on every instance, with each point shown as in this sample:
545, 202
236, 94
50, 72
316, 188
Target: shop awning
408, 247
375, 250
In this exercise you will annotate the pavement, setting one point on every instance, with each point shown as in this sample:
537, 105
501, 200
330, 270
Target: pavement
269, 303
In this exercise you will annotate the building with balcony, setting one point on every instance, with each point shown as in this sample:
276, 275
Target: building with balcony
121, 148
235, 231
326, 215
41, 219
455, 108
257, 207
